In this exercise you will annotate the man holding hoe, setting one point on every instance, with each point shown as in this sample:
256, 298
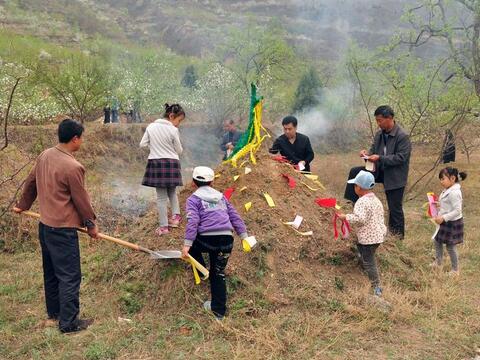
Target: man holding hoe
57, 180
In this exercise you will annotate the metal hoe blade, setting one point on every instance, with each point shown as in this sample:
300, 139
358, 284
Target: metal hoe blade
166, 254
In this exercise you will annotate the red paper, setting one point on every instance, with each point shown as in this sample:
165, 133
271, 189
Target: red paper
280, 158
326, 202
291, 181
228, 193
345, 227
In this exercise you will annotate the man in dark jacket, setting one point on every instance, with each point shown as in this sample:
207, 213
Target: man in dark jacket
294, 146
390, 152
230, 138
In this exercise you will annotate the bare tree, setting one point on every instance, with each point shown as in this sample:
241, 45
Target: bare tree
457, 25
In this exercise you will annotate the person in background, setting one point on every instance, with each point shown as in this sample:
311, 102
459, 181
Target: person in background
368, 214
450, 217
390, 152
106, 115
230, 138
163, 170
295, 147
448, 154
210, 222
114, 111
58, 181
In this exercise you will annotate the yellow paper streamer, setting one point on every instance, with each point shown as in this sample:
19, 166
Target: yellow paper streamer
306, 233
217, 176
243, 188
248, 205
252, 147
311, 188
319, 184
235, 178
269, 200
247, 170
311, 176
195, 274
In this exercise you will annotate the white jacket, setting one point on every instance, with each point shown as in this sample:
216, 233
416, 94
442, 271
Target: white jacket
163, 139
368, 214
451, 203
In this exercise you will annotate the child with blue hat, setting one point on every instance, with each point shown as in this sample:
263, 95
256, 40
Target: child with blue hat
368, 214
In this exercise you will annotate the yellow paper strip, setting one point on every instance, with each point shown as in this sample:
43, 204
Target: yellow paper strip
319, 184
311, 177
248, 205
235, 178
338, 207
247, 170
217, 176
243, 163
311, 188
269, 200
306, 233
195, 274
243, 188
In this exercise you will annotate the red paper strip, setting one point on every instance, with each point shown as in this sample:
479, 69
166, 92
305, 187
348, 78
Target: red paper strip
228, 193
344, 228
291, 181
280, 158
326, 202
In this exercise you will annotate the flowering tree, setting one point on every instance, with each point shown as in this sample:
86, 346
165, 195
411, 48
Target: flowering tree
78, 84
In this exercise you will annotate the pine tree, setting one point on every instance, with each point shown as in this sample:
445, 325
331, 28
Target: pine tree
190, 77
309, 91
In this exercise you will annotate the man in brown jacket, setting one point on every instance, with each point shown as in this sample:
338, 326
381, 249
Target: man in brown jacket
57, 180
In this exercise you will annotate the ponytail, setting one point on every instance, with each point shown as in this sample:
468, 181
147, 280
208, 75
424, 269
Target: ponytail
175, 109
449, 171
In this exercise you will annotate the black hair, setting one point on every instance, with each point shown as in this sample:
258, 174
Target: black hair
290, 119
175, 109
68, 129
385, 111
201, 183
449, 171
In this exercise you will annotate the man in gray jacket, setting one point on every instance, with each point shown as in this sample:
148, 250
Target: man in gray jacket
390, 152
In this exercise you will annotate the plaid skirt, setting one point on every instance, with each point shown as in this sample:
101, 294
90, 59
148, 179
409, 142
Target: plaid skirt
450, 232
163, 173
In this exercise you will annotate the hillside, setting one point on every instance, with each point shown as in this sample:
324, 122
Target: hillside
292, 297
194, 28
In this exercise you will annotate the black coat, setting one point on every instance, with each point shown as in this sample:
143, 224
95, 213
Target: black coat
392, 168
300, 150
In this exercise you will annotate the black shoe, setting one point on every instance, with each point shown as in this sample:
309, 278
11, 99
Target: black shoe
82, 324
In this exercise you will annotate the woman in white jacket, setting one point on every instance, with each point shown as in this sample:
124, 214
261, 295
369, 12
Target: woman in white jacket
163, 170
450, 217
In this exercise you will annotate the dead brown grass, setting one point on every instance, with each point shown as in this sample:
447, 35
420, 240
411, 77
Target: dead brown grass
293, 297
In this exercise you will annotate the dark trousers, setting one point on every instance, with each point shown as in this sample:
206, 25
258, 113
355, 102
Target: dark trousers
396, 219
367, 256
218, 248
61, 274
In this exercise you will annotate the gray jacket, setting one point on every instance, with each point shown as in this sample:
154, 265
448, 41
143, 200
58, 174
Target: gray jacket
394, 158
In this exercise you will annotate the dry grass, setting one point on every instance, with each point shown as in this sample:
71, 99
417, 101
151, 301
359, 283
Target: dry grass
305, 304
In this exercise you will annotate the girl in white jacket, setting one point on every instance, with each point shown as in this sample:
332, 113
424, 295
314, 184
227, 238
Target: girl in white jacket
450, 217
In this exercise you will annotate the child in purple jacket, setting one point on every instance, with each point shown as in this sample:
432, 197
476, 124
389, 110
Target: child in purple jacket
211, 220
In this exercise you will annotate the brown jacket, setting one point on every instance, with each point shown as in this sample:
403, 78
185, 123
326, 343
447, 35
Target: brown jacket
58, 181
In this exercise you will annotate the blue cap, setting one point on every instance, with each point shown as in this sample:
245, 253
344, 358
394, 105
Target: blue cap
364, 179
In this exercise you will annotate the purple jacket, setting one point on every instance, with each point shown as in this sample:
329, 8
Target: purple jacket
209, 213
